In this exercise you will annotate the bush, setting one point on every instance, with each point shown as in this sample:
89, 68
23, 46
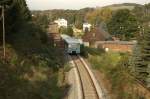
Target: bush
85, 51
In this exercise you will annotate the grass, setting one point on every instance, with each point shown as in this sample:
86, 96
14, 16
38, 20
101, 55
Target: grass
105, 60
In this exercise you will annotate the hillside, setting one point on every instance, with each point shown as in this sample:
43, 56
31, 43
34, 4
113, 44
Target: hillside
129, 6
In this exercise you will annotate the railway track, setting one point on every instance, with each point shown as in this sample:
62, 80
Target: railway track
87, 85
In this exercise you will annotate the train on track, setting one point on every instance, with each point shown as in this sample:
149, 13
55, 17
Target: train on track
71, 45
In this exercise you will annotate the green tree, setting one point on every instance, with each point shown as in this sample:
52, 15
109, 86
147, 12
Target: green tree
145, 54
41, 20
67, 31
141, 58
5, 2
16, 14
123, 24
70, 31
79, 18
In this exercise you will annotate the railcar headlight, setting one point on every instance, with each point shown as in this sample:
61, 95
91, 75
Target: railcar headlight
69, 46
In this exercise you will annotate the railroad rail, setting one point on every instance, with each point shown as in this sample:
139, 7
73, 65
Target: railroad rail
89, 90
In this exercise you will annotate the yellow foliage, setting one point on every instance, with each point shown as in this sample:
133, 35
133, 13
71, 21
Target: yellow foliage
103, 14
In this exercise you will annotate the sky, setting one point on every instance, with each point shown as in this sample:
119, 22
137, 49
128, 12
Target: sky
75, 4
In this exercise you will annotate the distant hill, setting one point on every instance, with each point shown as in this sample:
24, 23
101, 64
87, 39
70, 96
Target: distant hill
129, 6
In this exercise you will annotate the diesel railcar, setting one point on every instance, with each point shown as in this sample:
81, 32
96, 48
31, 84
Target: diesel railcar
72, 45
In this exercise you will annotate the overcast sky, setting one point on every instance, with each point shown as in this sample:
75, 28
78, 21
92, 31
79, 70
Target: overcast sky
75, 4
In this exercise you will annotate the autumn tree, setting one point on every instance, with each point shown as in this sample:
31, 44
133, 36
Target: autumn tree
99, 15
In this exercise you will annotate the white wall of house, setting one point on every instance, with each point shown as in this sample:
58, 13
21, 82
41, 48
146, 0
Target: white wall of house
86, 26
61, 23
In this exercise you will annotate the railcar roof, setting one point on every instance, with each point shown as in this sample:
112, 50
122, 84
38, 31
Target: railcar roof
70, 40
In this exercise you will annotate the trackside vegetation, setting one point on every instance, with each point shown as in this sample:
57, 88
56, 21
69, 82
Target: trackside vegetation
114, 66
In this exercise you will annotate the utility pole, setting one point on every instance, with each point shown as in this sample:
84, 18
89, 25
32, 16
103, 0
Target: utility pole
4, 42
3, 22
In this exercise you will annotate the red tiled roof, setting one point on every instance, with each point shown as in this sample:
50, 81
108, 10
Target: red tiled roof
95, 35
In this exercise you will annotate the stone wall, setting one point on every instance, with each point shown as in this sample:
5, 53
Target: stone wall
118, 46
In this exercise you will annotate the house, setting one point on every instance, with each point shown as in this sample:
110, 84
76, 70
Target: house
86, 27
61, 23
95, 35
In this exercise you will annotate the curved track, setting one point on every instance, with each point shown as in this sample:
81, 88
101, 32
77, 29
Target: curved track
87, 85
